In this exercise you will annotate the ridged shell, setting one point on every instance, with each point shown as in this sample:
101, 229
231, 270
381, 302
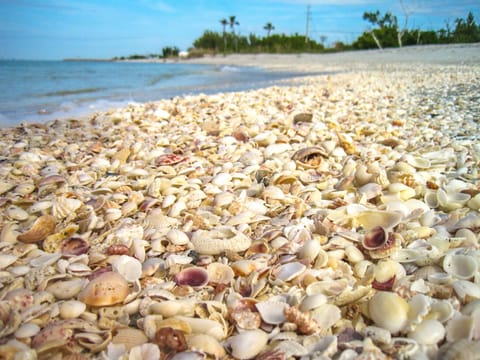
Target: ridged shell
220, 273
41, 228
129, 337
247, 344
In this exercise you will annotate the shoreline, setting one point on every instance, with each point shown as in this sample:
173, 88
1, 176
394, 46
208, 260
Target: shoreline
233, 223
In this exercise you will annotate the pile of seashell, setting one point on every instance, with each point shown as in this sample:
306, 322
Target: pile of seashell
336, 219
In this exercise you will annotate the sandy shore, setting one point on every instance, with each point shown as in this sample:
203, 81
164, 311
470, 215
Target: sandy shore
332, 219
458, 54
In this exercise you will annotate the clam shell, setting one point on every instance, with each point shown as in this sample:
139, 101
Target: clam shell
106, 289
247, 344
460, 327
27, 330
428, 332
389, 311
289, 271
169, 308
326, 315
177, 237
16, 213
72, 309
6, 260
310, 302
219, 273
370, 219
128, 267
66, 289
205, 326
195, 277
460, 266
272, 312
41, 228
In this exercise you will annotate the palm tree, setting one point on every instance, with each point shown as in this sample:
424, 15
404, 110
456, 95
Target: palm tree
224, 23
232, 23
269, 27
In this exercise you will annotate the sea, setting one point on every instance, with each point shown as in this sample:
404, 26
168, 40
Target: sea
40, 91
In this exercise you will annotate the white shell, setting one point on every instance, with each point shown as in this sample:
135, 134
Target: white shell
272, 312
389, 311
71, 309
326, 315
177, 237
289, 271
220, 239
247, 344
6, 260
428, 332
460, 327
27, 330
310, 250
127, 266
466, 290
310, 302
460, 266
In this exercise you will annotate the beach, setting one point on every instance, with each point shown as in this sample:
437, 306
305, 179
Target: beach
331, 216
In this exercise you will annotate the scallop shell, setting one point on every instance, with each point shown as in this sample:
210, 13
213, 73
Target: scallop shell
41, 228
220, 239
106, 289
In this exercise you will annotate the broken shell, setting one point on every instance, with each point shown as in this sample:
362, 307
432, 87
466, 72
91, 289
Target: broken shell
177, 237
370, 219
288, 271
195, 277
41, 228
206, 344
75, 246
127, 266
388, 311
462, 349
6, 260
310, 157
247, 344
106, 289
460, 266
129, 337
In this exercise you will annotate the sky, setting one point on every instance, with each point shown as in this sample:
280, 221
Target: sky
57, 29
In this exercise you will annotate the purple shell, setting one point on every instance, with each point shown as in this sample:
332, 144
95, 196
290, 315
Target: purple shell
375, 239
196, 277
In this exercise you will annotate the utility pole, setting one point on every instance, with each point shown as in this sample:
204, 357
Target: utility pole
308, 23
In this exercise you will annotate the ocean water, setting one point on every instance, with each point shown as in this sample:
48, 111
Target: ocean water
40, 91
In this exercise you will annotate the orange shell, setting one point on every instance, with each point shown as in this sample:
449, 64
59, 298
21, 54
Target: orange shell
41, 228
106, 289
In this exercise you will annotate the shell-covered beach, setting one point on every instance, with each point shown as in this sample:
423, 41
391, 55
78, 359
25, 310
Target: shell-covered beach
334, 219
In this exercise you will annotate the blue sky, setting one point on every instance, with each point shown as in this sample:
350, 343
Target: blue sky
56, 29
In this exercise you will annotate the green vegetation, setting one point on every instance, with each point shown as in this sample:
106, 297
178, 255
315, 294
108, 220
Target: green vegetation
384, 31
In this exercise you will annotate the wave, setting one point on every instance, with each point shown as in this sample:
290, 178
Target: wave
72, 92
228, 68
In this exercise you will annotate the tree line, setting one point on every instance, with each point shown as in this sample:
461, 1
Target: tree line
384, 31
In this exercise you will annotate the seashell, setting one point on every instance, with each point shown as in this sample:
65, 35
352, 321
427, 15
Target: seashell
310, 157
41, 228
288, 271
462, 349
129, 337
44, 260
462, 267
66, 289
6, 260
310, 302
466, 290
377, 334
206, 344
177, 237
272, 312
418, 162
195, 277
75, 246
326, 315
385, 270
288, 349
388, 311
370, 219
303, 117
169, 308
16, 213
128, 267
451, 201
169, 159
205, 326
247, 344
353, 254
460, 327
218, 240
310, 250
265, 138
406, 255
170, 340
369, 191
219, 273
5, 187
441, 310
27, 330
71, 309
245, 314
109, 288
